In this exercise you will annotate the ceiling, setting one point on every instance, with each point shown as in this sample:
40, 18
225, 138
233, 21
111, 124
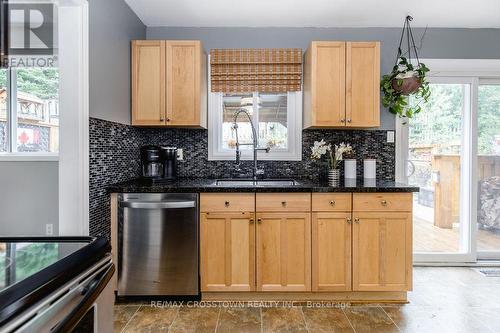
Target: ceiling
317, 13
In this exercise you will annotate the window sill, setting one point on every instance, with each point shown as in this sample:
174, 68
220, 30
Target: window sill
31, 157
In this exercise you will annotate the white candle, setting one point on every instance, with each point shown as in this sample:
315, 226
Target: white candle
350, 169
370, 168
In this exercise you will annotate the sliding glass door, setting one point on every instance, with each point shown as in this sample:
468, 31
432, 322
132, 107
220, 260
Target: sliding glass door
436, 155
488, 169
452, 152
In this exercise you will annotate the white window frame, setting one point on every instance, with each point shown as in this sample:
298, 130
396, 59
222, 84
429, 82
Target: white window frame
294, 126
12, 155
74, 125
467, 71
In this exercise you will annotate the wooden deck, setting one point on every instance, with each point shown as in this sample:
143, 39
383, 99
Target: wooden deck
429, 238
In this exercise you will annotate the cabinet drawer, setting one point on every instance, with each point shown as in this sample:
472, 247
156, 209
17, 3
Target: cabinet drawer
283, 202
379, 202
331, 202
227, 202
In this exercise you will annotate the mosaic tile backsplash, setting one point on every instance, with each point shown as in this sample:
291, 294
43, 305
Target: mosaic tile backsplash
114, 157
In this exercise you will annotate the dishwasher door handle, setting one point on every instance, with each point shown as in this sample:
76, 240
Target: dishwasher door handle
158, 204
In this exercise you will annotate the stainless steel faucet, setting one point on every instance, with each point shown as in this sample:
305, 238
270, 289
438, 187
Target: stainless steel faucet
256, 170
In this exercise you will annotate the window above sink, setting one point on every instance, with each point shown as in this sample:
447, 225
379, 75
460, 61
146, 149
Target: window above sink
267, 84
276, 116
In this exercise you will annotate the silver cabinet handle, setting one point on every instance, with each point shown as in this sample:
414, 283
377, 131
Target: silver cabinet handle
157, 204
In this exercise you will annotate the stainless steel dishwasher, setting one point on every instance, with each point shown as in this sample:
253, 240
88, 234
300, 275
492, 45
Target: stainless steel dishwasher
158, 244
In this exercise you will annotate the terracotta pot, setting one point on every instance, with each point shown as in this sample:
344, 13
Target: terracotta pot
409, 86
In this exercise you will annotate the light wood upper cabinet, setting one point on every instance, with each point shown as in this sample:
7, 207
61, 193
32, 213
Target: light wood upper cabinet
169, 84
148, 82
341, 85
363, 84
324, 84
186, 84
331, 251
227, 251
283, 251
382, 251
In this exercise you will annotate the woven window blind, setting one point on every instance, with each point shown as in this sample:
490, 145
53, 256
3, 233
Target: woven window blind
262, 70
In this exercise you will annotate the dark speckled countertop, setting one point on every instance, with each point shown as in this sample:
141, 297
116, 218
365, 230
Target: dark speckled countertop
210, 185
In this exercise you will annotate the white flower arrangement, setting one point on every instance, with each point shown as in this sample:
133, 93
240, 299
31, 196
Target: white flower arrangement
334, 156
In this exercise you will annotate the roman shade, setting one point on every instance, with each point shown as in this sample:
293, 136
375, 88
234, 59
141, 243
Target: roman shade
261, 70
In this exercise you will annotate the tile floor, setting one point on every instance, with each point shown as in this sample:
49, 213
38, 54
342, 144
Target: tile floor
444, 300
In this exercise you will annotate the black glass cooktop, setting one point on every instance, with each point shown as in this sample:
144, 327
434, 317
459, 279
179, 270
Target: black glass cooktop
19, 259
31, 268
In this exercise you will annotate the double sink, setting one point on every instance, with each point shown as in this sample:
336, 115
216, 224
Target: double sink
258, 182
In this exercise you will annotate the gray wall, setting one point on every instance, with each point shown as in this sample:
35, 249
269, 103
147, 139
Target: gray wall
29, 190
438, 43
112, 25
28, 197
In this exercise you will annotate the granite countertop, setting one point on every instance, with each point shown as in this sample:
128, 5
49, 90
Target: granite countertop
184, 185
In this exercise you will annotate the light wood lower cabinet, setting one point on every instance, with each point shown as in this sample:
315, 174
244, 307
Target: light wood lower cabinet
227, 249
283, 252
274, 243
331, 251
382, 251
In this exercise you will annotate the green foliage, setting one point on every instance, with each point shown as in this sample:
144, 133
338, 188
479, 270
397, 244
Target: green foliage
395, 100
40, 82
488, 118
441, 119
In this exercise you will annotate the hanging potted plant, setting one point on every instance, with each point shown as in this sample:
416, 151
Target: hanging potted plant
407, 78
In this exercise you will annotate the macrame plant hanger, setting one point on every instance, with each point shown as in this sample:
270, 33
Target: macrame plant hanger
410, 42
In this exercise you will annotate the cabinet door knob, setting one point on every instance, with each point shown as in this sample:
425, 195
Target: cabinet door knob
349, 220
283, 203
348, 120
226, 203
332, 203
168, 119
251, 221
356, 220
259, 220
342, 120
162, 119
383, 203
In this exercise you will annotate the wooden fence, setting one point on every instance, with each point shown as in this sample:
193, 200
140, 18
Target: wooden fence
446, 169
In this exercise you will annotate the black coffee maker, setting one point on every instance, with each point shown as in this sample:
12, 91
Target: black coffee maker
169, 159
152, 163
159, 163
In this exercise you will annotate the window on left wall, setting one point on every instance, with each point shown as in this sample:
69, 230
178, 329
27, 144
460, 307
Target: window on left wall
29, 111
